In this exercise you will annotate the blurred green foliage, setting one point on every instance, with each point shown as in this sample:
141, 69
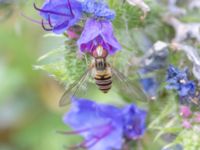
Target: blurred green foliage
28, 119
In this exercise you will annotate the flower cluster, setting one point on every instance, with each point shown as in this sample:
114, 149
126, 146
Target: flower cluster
178, 80
189, 119
107, 127
62, 15
104, 127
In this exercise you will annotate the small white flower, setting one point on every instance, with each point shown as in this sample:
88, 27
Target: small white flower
160, 45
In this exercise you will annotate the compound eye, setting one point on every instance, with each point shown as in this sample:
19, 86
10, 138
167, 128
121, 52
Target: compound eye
99, 52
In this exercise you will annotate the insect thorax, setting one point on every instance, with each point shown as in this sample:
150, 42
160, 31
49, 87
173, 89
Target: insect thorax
100, 64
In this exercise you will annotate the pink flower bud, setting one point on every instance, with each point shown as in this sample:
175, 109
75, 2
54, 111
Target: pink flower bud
186, 124
71, 34
185, 111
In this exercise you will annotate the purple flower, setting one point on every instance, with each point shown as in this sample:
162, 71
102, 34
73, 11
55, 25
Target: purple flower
98, 32
178, 80
104, 126
60, 14
100, 125
98, 9
134, 122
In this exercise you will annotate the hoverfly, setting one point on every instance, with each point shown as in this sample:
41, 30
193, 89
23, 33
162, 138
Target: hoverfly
102, 72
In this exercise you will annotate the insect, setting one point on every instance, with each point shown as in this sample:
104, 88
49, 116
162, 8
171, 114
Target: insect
101, 71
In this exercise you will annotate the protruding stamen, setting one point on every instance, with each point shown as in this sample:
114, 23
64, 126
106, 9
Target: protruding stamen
43, 26
49, 21
85, 130
32, 20
74, 132
106, 130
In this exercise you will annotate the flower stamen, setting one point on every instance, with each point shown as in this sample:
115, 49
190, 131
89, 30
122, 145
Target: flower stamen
86, 129
91, 142
107, 129
49, 21
33, 20
43, 26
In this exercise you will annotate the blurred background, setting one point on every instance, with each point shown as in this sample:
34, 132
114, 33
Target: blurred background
29, 113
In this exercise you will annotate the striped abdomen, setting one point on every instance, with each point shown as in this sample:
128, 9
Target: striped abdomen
104, 82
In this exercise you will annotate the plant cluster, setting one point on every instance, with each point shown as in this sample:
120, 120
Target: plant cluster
142, 42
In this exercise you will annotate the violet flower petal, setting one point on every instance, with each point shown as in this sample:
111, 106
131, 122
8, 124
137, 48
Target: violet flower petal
134, 122
98, 9
98, 32
88, 114
61, 14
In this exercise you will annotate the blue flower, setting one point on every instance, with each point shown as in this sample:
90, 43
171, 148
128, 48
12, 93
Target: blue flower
187, 89
101, 124
104, 127
178, 80
60, 14
174, 74
98, 33
148, 83
150, 86
155, 59
98, 9
134, 122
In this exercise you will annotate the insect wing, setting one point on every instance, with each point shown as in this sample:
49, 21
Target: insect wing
74, 88
132, 89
